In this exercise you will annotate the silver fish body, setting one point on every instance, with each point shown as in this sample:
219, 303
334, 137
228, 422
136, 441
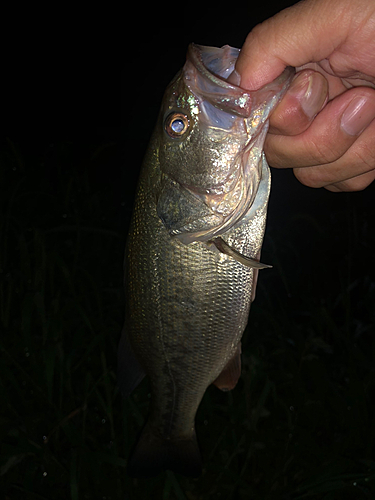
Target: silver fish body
192, 252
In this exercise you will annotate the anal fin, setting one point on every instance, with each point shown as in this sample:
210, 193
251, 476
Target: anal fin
228, 378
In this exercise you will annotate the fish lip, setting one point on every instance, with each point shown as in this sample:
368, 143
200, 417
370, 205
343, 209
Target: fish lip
227, 96
219, 92
194, 54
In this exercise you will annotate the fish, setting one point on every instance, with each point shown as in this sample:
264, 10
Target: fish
192, 251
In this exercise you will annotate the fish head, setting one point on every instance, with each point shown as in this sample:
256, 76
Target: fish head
211, 145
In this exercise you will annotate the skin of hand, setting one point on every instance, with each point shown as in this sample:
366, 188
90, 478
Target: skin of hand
324, 127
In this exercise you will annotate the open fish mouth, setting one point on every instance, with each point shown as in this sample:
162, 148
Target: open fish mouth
232, 124
206, 72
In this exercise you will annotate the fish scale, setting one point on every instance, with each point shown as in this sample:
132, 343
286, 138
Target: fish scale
189, 271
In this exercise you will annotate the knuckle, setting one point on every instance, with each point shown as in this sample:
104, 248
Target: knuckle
322, 152
355, 184
309, 176
364, 155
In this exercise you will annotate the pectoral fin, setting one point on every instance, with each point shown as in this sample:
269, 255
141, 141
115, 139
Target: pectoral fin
223, 247
228, 378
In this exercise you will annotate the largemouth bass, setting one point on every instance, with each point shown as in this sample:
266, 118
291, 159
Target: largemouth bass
192, 253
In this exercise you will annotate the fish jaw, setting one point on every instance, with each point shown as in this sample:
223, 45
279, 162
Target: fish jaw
219, 158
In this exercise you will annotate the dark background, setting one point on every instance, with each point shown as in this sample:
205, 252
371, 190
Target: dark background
299, 423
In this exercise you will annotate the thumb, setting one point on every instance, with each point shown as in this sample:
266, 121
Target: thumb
309, 31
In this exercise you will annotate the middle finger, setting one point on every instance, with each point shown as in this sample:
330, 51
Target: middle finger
325, 140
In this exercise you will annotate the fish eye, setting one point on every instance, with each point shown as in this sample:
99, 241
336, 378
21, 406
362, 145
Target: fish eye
176, 124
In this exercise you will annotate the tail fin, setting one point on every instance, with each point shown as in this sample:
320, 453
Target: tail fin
154, 454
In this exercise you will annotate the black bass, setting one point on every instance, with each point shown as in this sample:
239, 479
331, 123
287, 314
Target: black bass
192, 254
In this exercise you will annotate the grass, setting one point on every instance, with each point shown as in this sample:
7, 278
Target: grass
298, 426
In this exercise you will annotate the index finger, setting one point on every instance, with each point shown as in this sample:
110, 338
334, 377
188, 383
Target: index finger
300, 34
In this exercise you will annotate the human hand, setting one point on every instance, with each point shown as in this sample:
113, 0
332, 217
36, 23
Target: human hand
324, 127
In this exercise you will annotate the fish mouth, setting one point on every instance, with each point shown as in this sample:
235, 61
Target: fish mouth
206, 72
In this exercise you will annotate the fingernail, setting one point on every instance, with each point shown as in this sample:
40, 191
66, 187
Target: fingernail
234, 78
357, 116
311, 90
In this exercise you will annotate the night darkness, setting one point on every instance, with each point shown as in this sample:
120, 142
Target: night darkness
299, 424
